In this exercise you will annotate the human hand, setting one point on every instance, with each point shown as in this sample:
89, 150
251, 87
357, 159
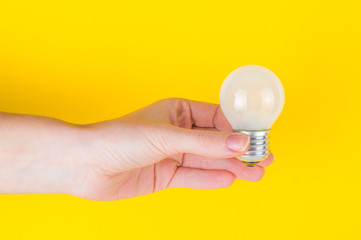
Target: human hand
171, 143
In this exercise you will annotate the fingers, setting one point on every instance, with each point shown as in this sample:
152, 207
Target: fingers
207, 129
201, 179
208, 115
184, 113
205, 143
267, 161
233, 165
208, 173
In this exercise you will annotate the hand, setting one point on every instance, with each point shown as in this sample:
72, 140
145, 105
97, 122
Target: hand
171, 143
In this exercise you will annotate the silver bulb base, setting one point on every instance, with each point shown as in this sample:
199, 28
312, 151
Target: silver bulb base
259, 146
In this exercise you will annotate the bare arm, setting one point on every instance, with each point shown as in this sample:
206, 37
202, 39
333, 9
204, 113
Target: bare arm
171, 143
39, 155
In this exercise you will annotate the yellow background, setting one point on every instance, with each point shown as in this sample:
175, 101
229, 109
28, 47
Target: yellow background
85, 61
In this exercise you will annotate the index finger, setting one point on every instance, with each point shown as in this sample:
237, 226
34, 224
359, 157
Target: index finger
208, 115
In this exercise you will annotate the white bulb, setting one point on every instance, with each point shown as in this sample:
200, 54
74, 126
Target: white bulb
251, 98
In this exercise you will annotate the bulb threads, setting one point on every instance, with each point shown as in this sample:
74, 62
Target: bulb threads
259, 146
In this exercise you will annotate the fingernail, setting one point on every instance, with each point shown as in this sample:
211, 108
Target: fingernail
237, 143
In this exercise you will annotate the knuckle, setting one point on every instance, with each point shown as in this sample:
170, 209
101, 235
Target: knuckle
174, 101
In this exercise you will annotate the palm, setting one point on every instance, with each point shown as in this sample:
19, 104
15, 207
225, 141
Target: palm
170, 171
144, 180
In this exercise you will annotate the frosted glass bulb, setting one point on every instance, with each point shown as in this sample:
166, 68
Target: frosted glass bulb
251, 98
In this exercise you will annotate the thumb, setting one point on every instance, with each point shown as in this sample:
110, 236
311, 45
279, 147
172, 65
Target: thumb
205, 143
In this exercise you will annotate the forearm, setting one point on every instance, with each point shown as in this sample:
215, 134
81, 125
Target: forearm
39, 155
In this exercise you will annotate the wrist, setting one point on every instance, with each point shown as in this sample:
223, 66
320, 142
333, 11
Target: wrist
41, 155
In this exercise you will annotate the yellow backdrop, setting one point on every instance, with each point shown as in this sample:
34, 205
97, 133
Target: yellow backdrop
85, 61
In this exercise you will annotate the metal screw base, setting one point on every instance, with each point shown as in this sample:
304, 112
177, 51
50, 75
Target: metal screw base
259, 146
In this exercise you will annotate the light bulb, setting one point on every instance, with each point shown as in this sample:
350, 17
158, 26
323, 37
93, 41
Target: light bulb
251, 98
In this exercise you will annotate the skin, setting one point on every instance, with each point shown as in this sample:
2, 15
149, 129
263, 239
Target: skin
170, 143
